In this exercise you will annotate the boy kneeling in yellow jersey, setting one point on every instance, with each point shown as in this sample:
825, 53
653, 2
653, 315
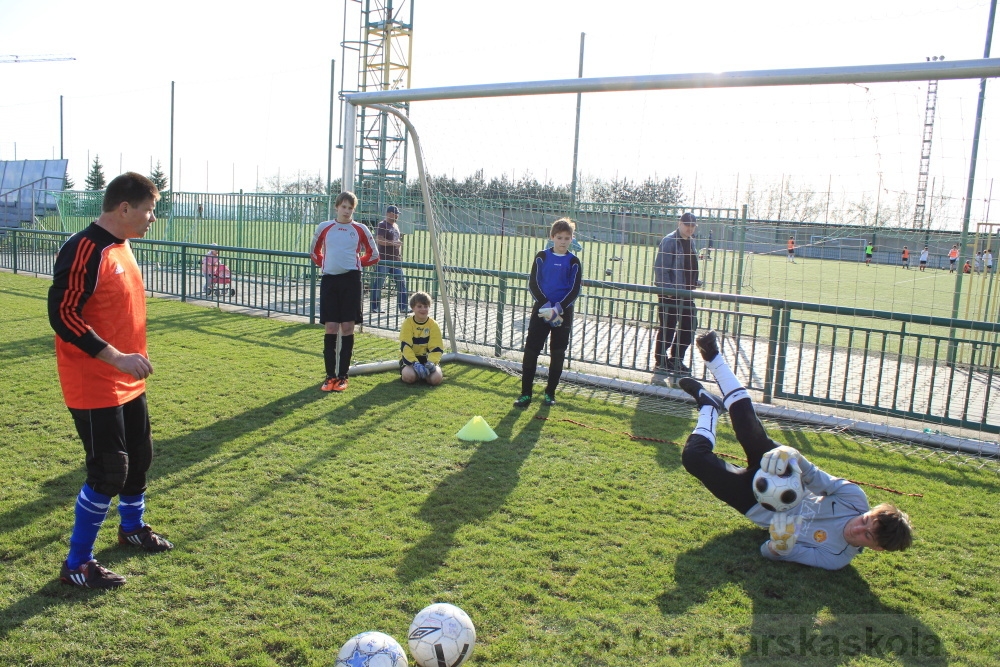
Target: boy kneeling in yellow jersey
420, 344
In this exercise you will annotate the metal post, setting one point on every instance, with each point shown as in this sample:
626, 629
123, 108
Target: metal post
963, 242
431, 226
347, 180
170, 190
329, 146
60, 127
239, 221
576, 137
501, 305
741, 233
183, 273
773, 339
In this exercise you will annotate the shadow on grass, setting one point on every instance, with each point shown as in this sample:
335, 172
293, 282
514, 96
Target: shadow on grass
19, 350
471, 494
801, 615
54, 493
41, 295
56, 593
206, 322
172, 456
670, 433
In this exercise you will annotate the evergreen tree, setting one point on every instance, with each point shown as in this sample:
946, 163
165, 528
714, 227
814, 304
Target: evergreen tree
68, 183
95, 179
158, 177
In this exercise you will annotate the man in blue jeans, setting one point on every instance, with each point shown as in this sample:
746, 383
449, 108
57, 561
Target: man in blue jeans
390, 247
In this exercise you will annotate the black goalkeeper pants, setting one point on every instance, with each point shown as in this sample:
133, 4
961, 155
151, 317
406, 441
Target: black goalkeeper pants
119, 446
730, 484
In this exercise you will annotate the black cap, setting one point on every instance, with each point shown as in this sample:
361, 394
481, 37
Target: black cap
688, 217
392, 209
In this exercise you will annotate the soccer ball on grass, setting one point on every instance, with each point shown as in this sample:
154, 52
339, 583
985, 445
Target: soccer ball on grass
441, 635
371, 649
778, 493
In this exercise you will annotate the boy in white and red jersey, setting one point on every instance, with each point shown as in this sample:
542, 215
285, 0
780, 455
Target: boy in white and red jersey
341, 247
97, 307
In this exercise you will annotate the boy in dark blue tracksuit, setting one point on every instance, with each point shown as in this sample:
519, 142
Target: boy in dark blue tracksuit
554, 282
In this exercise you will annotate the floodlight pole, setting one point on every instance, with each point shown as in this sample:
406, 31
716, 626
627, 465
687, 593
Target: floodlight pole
60, 127
964, 240
170, 189
329, 146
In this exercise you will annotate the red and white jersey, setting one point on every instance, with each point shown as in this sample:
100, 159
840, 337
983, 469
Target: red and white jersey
338, 248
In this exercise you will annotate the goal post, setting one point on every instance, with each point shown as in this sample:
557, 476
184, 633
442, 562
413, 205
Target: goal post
480, 247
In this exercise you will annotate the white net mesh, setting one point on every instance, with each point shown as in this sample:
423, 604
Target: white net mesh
833, 168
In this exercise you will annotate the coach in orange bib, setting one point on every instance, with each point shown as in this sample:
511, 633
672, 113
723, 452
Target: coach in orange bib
97, 306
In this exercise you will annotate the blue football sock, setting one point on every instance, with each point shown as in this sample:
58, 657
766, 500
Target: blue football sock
130, 509
91, 509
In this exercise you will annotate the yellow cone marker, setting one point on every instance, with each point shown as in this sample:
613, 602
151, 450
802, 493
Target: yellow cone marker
477, 429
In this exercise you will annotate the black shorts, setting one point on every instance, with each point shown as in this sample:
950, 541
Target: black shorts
340, 298
119, 446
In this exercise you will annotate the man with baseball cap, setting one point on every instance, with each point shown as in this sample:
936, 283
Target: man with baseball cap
676, 265
390, 248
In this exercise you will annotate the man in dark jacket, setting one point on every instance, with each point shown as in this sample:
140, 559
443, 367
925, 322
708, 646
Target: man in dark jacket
676, 265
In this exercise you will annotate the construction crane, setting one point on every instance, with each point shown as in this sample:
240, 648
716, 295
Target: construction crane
32, 59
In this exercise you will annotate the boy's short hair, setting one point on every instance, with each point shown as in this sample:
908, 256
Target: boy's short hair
893, 529
347, 196
422, 298
562, 225
129, 187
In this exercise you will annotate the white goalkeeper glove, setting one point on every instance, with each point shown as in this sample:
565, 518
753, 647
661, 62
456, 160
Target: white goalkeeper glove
784, 531
431, 367
552, 314
778, 460
420, 370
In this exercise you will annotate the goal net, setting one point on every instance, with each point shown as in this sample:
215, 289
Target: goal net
834, 168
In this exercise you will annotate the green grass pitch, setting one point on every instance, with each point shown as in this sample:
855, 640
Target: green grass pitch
301, 518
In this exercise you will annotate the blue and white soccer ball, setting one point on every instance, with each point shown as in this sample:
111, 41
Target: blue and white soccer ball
778, 494
371, 649
441, 635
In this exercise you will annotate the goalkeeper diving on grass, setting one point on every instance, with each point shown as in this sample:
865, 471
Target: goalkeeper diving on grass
554, 283
830, 526
420, 344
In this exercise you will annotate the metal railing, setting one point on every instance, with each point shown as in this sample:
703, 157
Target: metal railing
873, 362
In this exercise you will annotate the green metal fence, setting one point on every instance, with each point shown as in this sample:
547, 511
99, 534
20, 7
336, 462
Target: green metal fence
930, 370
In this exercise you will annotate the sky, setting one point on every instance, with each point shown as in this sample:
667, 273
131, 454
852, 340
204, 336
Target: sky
252, 94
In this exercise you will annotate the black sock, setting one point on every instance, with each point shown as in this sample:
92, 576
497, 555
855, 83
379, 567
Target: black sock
528, 365
330, 354
346, 348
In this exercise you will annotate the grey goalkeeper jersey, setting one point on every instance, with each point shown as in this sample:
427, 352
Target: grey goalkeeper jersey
829, 504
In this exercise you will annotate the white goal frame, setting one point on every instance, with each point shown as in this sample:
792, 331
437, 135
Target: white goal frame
924, 71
